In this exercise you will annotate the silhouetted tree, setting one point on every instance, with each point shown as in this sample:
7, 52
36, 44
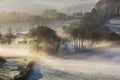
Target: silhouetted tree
86, 31
43, 34
8, 38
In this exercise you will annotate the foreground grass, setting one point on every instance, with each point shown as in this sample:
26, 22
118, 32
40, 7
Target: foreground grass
48, 76
51, 74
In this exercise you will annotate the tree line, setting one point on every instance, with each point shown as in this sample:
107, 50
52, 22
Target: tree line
14, 17
86, 34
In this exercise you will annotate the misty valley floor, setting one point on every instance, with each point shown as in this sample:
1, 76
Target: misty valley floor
78, 70
102, 64
61, 75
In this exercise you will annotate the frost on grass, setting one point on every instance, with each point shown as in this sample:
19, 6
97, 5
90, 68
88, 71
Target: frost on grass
51, 74
78, 77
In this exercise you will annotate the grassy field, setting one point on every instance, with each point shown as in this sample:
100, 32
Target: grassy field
101, 64
49, 76
61, 75
77, 70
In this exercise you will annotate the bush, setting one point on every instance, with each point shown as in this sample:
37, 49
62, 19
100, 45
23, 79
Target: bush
2, 60
113, 36
44, 38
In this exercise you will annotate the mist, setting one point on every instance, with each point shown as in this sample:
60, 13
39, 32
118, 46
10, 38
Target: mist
38, 6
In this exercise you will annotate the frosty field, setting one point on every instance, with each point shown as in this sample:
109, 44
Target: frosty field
99, 64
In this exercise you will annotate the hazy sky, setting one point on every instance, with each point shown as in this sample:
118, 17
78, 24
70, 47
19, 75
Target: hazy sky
37, 6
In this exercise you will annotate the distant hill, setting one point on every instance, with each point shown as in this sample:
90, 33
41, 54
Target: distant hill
38, 6
107, 9
80, 7
108, 14
13, 17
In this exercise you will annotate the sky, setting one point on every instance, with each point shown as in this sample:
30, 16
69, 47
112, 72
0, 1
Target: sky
37, 6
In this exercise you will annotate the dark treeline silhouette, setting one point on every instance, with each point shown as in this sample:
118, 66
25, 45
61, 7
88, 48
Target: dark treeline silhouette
44, 38
49, 14
14, 17
7, 38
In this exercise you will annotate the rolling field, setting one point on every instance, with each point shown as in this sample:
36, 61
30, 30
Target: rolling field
99, 64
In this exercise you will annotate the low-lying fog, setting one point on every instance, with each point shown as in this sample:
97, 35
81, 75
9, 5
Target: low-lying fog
103, 60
